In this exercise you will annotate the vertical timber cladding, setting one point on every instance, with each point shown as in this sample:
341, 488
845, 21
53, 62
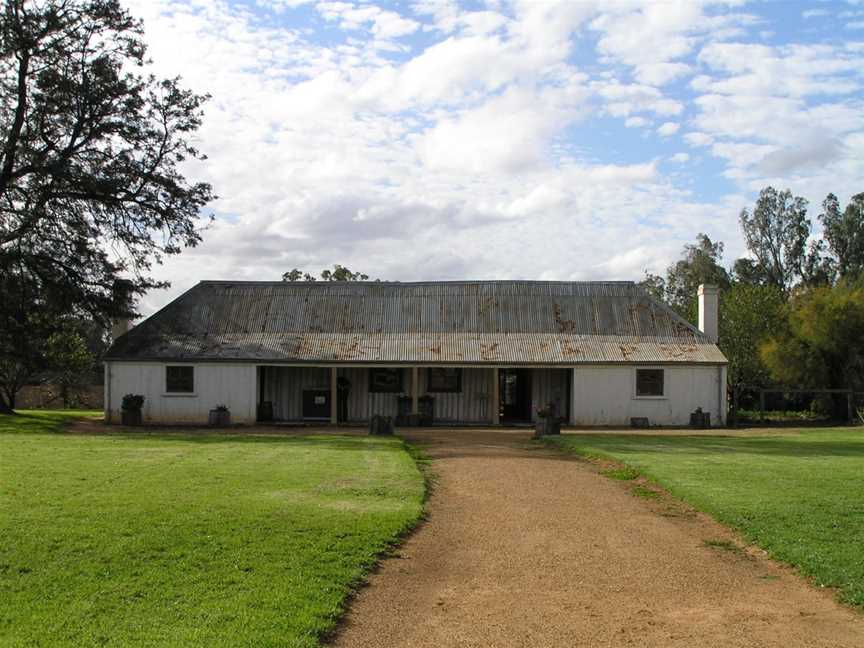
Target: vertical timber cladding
472, 405
284, 387
550, 386
362, 403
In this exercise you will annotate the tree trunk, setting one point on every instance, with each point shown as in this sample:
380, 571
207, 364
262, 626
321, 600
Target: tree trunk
7, 402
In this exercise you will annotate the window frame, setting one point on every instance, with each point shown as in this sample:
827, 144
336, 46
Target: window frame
169, 392
399, 388
663, 384
444, 390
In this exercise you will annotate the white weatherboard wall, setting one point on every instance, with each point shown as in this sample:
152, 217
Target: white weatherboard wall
233, 385
606, 395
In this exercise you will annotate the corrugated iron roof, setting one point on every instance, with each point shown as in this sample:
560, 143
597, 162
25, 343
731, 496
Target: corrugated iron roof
470, 322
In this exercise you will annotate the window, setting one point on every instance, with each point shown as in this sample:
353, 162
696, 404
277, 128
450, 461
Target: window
385, 380
649, 382
444, 380
180, 379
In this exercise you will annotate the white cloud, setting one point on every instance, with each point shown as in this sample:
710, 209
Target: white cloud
636, 122
680, 158
652, 37
383, 24
793, 70
623, 99
773, 119
667, 129
506, 134
659, 74
815, 13
698, 139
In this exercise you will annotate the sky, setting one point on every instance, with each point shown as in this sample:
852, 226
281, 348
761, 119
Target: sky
436, 140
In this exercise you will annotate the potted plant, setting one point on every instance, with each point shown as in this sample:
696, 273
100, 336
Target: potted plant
540, 424
220, 416
548, 421
130, 409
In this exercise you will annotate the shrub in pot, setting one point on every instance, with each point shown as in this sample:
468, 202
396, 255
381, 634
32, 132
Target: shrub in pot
220, 416
548, 421
130, 409
381, 425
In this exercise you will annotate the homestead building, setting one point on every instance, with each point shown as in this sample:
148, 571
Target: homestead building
455, 352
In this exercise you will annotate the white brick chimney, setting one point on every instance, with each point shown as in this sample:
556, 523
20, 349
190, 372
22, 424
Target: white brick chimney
709, 308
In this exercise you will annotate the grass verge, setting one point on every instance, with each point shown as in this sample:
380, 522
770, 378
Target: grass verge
191, 539
797, 494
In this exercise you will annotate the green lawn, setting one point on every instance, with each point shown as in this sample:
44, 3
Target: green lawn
190, 540
797, 494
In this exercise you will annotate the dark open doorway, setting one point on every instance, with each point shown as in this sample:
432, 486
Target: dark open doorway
514, 389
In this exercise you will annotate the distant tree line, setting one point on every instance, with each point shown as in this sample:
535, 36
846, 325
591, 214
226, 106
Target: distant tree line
792, 312
338, 273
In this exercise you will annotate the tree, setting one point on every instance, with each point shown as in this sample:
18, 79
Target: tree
27, 317
90, 152
748, 271
821, 342
700, 264
844, 232
817, 269
297, 275
338, 273
69, 360
749, 315
776, 233
654, 285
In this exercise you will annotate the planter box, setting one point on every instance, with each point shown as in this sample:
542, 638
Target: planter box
219, 418
130, 417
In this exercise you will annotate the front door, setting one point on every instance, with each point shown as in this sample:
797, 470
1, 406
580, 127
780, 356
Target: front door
514, 390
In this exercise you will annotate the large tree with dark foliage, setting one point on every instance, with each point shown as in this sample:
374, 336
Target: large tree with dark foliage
776, 233
91, 147
844, 231
792, 313
749, 315
699, 264
821, 341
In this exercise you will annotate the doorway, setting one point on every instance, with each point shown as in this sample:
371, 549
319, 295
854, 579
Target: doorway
514, 388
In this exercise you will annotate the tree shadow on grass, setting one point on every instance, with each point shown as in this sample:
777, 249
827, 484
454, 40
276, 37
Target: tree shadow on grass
49, 421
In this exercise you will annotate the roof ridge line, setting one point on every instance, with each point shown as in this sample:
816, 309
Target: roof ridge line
451, 282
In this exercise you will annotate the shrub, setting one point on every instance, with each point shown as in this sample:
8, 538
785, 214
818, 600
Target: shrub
133, 402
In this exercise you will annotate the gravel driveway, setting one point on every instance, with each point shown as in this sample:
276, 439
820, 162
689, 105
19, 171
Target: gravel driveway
525, 547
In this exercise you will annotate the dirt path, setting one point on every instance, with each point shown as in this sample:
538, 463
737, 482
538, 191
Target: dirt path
524, 547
